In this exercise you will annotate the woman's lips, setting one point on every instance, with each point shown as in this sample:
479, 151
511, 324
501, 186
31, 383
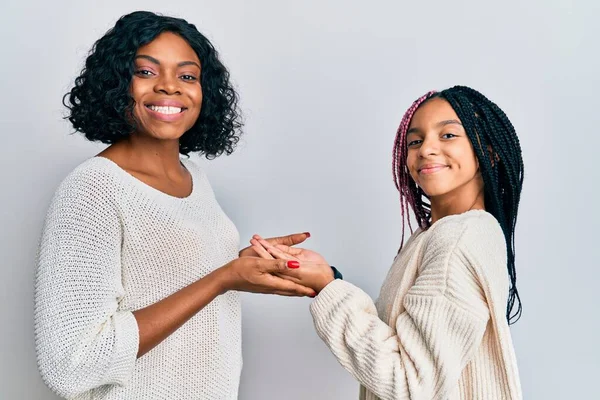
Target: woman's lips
165, 113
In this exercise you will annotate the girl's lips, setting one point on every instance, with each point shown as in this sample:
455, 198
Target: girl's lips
431, 169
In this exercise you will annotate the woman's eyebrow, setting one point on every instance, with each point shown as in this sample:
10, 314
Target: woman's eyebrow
155, 61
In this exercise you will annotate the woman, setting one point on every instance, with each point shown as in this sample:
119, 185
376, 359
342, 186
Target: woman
440, 328
138, 270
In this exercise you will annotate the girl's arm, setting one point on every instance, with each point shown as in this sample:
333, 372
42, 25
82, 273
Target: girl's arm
422, 354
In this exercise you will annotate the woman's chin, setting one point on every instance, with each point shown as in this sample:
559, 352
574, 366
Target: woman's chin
163, 135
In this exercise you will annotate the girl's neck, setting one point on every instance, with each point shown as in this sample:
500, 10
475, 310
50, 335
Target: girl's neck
462, 199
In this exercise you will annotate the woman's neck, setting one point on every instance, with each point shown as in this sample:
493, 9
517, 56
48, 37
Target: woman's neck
146, 155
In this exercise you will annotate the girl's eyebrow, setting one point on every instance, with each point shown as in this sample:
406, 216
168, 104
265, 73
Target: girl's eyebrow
439, 124
448, 122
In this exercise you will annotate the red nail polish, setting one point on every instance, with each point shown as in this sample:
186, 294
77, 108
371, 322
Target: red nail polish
293, 264
307, 234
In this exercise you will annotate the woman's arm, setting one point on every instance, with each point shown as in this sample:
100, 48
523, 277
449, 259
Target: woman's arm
159, 320
83, 340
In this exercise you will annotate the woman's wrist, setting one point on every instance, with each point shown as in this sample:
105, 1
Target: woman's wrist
223, 279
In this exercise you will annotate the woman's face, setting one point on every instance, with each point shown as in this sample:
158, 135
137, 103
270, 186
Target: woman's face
166, 87
440, 158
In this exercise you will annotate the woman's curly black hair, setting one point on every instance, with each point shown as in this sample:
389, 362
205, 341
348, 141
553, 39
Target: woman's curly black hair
100, 100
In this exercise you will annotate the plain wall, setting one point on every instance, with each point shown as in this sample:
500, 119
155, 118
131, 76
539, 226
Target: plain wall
323, 86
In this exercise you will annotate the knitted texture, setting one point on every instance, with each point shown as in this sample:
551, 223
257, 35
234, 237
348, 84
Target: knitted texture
438, 330
112, 245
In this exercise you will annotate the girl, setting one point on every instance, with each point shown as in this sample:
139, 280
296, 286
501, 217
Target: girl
440, 328
138, 269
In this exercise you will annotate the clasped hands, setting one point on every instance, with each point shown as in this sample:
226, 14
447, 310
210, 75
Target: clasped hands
274, 266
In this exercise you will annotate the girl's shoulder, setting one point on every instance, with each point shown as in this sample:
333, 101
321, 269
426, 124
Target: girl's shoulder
477, 230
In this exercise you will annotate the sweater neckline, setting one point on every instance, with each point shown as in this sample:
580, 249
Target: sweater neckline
455, 216
148, 188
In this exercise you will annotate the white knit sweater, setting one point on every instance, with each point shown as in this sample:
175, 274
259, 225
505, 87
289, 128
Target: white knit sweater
439, 329
111, 245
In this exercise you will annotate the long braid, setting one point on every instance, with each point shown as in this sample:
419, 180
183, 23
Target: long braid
498, 151
410, 194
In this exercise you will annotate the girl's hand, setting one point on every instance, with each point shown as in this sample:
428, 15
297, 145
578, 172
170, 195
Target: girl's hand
313, 271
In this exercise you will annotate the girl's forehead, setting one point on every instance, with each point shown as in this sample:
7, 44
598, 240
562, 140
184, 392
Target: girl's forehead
432, 112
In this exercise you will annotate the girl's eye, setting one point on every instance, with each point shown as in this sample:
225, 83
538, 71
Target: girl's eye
448, 135
190, 78
413, 143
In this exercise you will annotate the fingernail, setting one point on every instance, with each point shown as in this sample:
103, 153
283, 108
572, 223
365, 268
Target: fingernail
307, 234
293, 264
313, 295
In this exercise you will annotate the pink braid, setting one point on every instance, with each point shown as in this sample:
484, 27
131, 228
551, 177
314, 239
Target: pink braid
402, 178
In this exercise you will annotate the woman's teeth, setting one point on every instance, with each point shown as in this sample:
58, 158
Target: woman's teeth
165, 110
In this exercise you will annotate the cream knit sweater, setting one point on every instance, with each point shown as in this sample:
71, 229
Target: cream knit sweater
439, 329
111, 245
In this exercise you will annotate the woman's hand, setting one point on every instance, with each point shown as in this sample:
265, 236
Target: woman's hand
289, 240
268, 250
257, 275
313, 271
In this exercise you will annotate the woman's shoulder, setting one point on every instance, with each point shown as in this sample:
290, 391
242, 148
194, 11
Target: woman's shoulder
96, 177
194, 168
104, 178
200, 178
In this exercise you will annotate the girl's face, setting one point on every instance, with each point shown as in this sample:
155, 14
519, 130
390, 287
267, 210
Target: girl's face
166, 87
440, 158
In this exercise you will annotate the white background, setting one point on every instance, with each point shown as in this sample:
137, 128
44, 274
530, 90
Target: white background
324, 85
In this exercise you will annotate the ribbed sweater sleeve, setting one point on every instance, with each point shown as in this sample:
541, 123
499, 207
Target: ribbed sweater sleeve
421, 354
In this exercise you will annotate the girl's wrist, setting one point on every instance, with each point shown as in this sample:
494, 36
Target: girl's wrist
336, 274
329, 276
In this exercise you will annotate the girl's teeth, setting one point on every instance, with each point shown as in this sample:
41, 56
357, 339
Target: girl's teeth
166, 110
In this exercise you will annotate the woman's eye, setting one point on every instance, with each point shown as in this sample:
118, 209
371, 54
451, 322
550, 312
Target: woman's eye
414, 143
144, 72
448, 135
